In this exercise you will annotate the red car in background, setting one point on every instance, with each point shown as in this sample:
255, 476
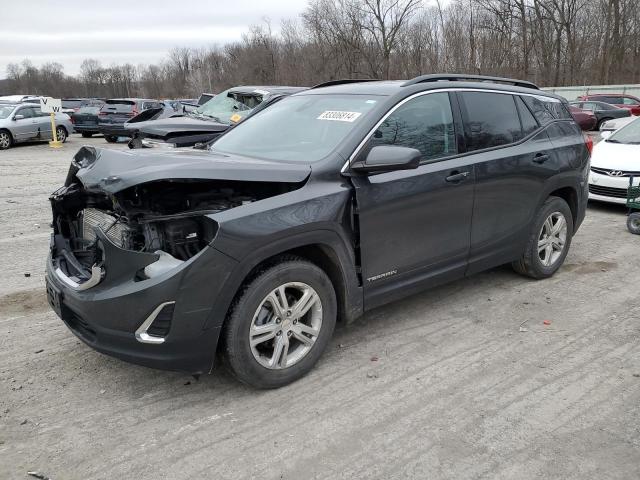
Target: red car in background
585, 119
629, 102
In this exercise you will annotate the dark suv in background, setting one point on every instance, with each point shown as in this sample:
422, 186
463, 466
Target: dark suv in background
116, 111
327, 204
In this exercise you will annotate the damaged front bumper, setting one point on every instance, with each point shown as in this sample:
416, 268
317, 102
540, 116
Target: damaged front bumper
162, 322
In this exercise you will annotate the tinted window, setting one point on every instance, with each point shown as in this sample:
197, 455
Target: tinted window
528, 121
118, 106
72, 103
491, 120
424, 123
611, 100
546, 109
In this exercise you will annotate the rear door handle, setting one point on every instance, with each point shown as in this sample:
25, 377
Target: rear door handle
540, 158
456, 177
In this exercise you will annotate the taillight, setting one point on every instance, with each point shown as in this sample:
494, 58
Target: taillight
588, 141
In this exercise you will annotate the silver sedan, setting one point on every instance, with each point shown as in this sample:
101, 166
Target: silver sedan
25, 122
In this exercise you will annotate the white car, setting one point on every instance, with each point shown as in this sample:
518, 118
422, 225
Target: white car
614, 161
616, 123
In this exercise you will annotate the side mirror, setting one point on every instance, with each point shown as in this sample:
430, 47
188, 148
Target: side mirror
385, 158
18, 117
606, 134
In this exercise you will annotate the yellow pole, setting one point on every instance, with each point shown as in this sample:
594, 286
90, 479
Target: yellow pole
54, 143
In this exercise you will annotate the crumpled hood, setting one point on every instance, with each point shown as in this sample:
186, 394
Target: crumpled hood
113, 171
166, 126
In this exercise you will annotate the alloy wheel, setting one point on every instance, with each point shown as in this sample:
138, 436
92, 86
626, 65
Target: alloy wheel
552, 239
286, 325
61, 134
5, 140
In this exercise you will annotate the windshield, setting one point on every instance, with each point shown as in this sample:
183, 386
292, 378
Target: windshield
229, 107
300, 128
629, 134
5, 110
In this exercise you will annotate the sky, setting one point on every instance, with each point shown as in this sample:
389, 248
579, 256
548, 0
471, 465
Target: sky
117, 31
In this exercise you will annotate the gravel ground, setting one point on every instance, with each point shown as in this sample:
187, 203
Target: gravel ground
441, 385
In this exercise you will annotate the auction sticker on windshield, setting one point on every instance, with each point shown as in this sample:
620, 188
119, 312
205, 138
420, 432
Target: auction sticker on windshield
339, 116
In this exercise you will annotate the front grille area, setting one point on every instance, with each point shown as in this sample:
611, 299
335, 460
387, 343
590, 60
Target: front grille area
607, 171
115, 230
608, 191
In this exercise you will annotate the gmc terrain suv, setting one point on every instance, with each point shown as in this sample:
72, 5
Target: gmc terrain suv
325, 205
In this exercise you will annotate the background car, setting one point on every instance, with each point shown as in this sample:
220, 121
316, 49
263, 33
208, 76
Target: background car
85, 120
602, 111
116, 111
24, 122
20, 99
613, 161
629, 102
210, 120
586, 120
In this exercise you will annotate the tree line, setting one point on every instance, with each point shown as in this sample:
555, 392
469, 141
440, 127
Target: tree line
549, 42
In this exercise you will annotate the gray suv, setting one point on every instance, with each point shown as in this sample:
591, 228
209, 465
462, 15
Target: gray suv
25, 122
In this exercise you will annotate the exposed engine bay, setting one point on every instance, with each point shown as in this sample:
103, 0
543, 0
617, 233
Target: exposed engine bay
166, 217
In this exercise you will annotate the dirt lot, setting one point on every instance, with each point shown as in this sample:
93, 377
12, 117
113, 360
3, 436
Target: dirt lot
441, 385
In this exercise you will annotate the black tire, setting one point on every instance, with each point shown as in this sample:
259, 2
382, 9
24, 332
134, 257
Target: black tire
61, 134
235, 347
111, 138
6, 139
633, 223
600, 122
530, 264
86, 134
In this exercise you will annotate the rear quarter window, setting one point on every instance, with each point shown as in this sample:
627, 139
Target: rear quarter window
546, 109
490, 120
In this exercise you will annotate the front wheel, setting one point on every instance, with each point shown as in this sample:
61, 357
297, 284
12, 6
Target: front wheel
6, 140
633, 223
86, 134
111, 138
280, 324
61, 134
549, 240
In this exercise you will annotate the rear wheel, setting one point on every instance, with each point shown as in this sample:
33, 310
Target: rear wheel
61, 134
111, 138
87, 134
633, 223
549, 240
280, 324
6, 140
601, 121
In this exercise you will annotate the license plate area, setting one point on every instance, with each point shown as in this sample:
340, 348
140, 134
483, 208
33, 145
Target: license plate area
54, 297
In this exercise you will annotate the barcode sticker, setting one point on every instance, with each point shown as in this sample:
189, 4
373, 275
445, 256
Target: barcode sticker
339, 116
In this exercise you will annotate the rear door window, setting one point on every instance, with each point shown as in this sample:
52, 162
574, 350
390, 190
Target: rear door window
528, 121
490, 119
630, 101
424, 123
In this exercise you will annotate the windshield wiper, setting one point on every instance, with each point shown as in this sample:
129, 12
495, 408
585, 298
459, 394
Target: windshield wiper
612, 141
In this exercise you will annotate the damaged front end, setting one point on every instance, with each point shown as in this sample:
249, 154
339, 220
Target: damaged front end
141, 231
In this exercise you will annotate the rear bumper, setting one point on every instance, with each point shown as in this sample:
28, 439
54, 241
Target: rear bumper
87, 128
114, 130
107, 316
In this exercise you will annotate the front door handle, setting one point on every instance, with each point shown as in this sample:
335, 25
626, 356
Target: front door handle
541, 158
456, 176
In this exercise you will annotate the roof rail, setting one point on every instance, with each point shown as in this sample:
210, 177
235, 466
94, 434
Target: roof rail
331, 83
454, 77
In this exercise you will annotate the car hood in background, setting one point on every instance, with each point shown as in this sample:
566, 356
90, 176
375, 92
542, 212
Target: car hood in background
616, 156
113, 171
161, 128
